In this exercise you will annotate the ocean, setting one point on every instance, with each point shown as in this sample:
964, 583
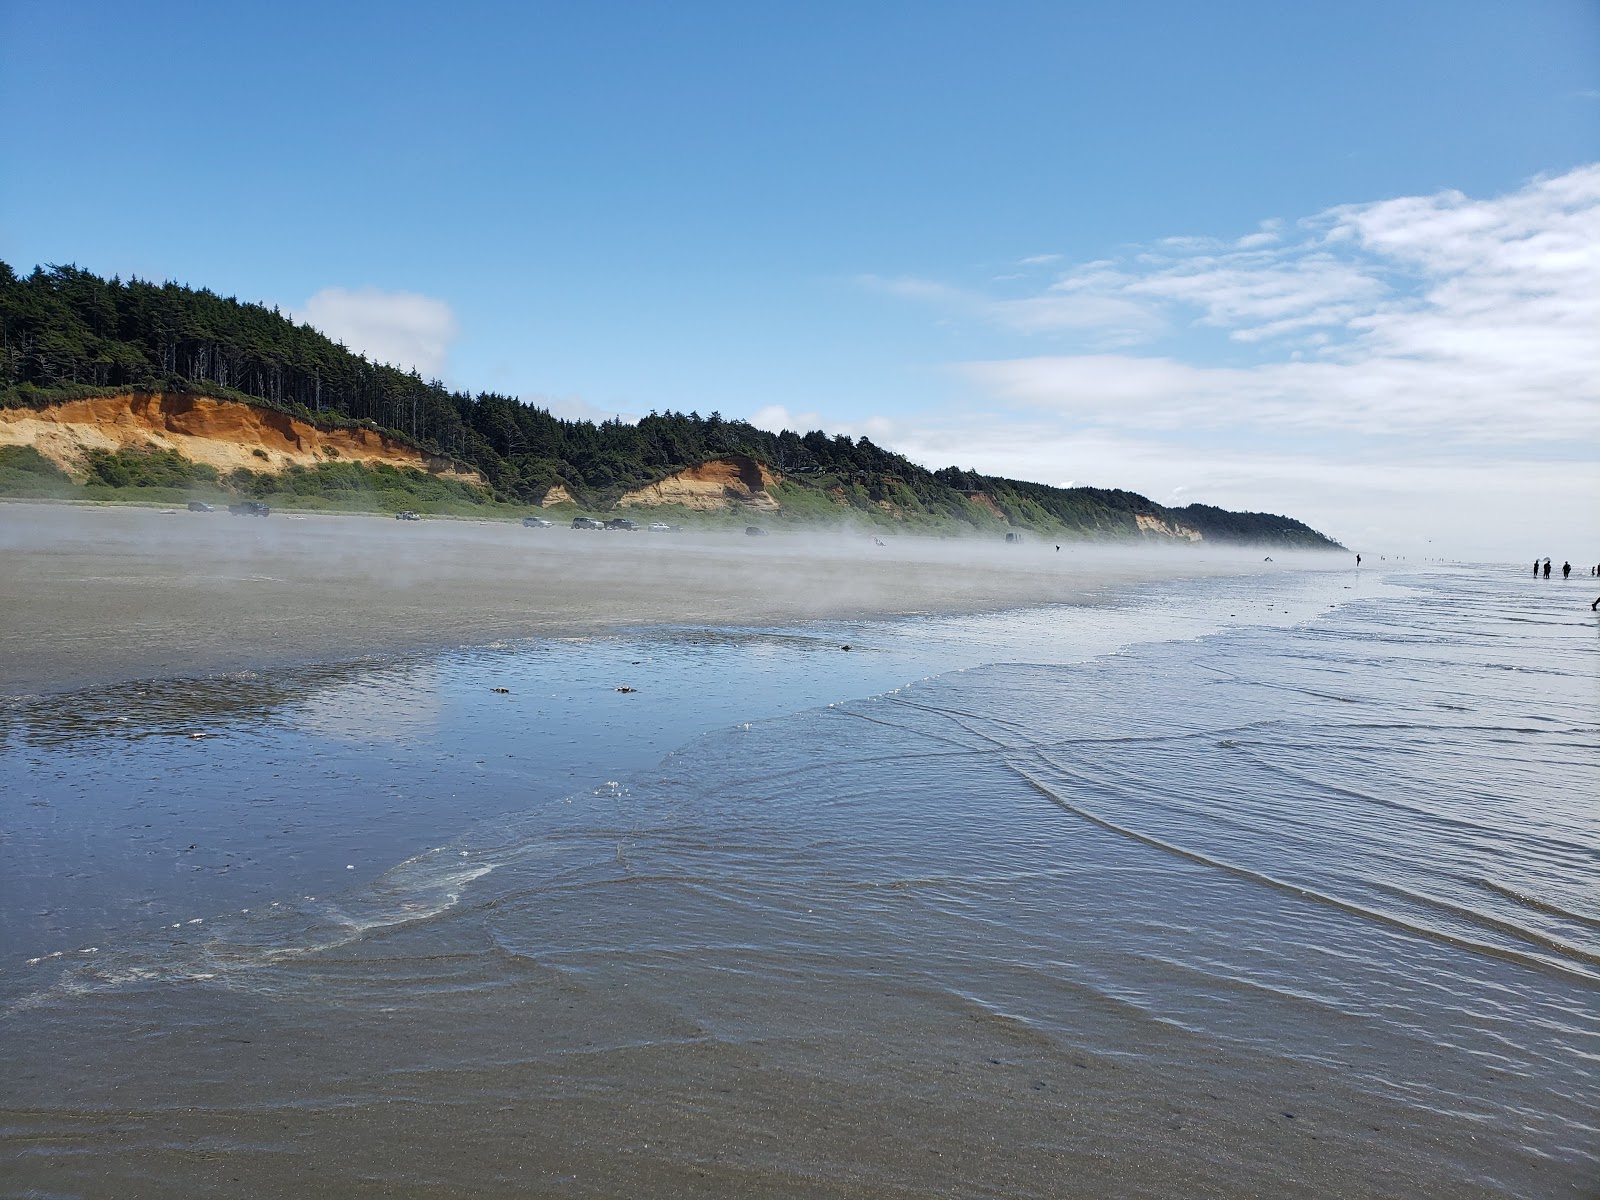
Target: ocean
1282, 885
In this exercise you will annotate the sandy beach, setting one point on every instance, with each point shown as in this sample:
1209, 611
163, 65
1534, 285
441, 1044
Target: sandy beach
1205, 887
95, 595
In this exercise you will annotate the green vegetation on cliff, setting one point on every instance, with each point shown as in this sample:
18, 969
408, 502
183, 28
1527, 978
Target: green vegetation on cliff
66, 333
26, 472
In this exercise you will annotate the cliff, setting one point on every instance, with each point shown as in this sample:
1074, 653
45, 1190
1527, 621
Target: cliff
1167, 528
137, 367
229, 435
219, 433
721, 483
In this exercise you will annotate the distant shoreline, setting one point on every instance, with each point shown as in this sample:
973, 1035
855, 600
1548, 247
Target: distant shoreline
103, 594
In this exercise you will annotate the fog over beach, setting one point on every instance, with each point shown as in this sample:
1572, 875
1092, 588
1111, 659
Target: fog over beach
98, 595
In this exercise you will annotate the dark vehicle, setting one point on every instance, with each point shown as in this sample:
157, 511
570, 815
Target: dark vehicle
586, 523
200, 506
536, 523
621, 523
754, 531
406, 514
250, 508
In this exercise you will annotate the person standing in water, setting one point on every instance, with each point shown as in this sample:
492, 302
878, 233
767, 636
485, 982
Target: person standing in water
1547, 568
1566, 570
1358, 560
1536, 568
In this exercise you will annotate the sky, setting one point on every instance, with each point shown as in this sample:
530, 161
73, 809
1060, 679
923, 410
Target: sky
1335, 261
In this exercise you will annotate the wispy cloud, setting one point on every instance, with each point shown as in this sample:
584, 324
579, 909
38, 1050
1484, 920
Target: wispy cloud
1441, 316
1102, 319
1381, 365
405, 329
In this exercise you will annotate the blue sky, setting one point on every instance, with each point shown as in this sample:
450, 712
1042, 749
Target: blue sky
1216, 252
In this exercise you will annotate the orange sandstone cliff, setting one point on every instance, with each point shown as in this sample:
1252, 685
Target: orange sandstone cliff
222, 433
720, 483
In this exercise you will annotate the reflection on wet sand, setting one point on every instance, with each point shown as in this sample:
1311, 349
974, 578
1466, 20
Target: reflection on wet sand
1195, 918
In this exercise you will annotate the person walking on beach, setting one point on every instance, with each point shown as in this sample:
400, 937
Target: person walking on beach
1536, 568
1547, 568
1566, 570
1358, 560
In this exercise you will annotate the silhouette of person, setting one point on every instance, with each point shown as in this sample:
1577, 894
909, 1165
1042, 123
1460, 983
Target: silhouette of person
1536, 567
1547, 568
1358, 560
1566, 570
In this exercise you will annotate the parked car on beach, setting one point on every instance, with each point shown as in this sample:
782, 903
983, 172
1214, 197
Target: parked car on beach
406, 514
586, 523
250, 508
755, 531
658, 527
536, 523
200, 506
621, 523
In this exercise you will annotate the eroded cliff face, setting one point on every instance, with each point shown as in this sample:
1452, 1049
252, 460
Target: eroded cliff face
720, 483
1167, 528
221, 433
557, 495
985, 501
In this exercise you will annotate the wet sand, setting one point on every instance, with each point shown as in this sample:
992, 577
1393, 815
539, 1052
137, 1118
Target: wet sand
96, 595
1126, 900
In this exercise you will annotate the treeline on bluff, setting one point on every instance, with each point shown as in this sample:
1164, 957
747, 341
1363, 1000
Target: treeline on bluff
66, 333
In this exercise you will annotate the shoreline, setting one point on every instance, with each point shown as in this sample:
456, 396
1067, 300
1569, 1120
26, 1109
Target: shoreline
107, 594
731, 877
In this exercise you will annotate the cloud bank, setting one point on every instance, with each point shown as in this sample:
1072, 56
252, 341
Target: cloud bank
403, 329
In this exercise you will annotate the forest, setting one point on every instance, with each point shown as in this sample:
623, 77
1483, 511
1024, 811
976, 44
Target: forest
66, 333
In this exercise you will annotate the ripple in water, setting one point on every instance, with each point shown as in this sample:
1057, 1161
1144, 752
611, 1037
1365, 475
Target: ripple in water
1297, 910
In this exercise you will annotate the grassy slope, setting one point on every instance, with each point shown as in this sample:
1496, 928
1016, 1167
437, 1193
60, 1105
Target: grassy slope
888, 503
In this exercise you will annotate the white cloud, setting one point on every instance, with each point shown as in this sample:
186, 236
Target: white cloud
1420, 367
1463, 401
404, 329
775, 418
1441, 316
